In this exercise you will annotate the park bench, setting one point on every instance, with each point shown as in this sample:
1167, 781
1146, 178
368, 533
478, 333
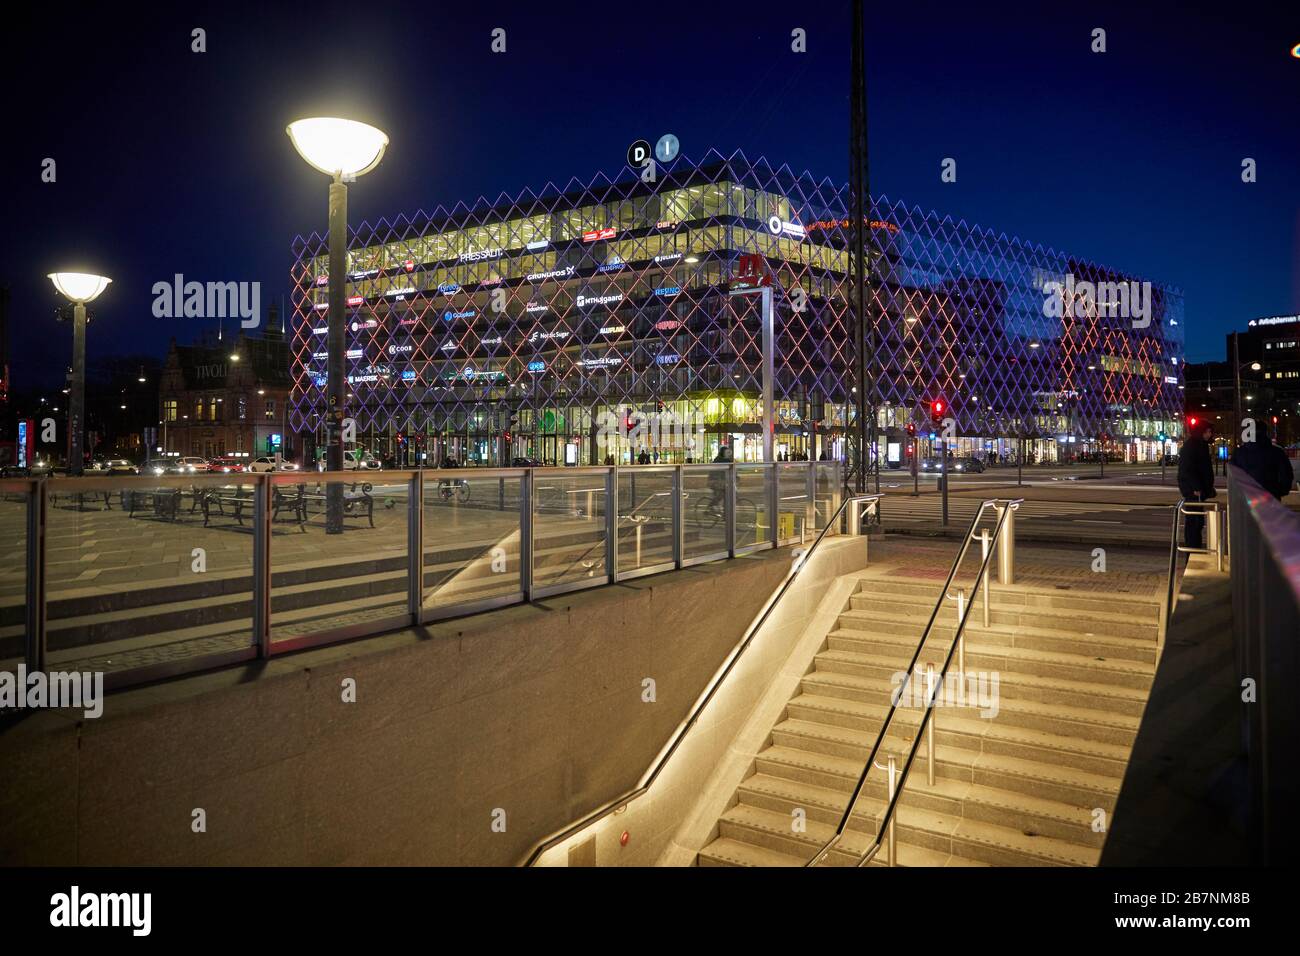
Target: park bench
217, 500
160, 502
357, 501
79, 497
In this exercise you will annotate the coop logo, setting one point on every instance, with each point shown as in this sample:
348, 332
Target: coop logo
399, 349
1078, 300
76, 909
39, 690
208, 300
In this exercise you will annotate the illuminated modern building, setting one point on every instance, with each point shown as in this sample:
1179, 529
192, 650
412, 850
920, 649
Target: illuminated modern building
524, 328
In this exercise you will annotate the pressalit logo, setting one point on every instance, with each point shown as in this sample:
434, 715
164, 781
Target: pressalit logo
82, 690
76, 909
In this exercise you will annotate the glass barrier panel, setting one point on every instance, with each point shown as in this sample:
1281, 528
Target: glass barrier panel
471, 538
147, 571
13, 579
792, 500
827, 492
568, 528
704, 504
645, 518
753, 513
326, 578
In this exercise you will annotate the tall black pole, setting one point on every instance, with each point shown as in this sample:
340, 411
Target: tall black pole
857, 260
77, 391
336, 370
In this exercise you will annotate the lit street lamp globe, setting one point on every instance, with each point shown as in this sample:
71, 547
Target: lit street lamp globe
338, 147
79, 287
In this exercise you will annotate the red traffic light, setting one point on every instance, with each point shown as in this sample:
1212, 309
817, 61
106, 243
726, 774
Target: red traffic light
1191, 420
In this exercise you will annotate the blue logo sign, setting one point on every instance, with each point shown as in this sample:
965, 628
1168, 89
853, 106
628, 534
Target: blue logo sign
667, 148
537, 366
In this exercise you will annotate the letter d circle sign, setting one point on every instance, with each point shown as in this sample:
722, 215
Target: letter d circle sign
638, 153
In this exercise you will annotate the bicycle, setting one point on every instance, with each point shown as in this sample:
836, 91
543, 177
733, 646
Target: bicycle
457, 488
710, 510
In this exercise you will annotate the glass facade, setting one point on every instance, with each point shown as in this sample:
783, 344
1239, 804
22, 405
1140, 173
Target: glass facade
526, 329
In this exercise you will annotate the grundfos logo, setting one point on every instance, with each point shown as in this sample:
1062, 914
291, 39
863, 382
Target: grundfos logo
74, 909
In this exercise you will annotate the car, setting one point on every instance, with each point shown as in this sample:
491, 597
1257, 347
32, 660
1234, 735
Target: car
113, 466
226, 464
39, 468
932, 464
971, 466
269, 463
188, 465
359, 459
521, 462
155, 466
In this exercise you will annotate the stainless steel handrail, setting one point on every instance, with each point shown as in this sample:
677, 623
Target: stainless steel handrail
1004, 512
661, 761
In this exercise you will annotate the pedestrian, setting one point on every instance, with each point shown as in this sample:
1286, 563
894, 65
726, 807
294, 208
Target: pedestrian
1196, 482
1266, 463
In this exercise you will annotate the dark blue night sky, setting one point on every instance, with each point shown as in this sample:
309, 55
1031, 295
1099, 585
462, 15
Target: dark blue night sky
171, 161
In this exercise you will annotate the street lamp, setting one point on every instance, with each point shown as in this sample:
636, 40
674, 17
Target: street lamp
79, 288
1236, 390
342, 149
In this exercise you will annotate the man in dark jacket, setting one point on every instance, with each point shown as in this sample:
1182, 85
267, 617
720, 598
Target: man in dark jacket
1196, 481
1266, 463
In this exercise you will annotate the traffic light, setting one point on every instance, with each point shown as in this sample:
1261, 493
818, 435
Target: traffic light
911, 429
937, 409
1191, 421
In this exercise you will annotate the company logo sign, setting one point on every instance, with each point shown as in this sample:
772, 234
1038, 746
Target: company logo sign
596, 235
586, 300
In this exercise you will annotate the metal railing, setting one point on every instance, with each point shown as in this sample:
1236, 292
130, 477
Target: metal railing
1214, 544
850, 505
897, 780
416, 546
1265, 573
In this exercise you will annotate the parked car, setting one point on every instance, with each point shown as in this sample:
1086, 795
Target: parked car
227, 463
521, 462
358, 459
268, 463
112, 466
38, 468
155, 466
189, 465
969, 466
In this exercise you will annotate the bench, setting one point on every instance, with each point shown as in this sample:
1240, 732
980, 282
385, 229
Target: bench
161, 502
79, 497
357, 503
216, 501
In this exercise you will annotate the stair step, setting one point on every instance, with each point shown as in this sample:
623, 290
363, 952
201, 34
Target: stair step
1065, 785
869, 632
901, 612
972, 734
1016, 596
1051, 718
980, 841
1135, 675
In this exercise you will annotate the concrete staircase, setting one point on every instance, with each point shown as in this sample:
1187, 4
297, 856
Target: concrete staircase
1019, 788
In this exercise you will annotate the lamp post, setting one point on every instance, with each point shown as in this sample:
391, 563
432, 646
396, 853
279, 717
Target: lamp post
342, 149
79, 288
1236, 390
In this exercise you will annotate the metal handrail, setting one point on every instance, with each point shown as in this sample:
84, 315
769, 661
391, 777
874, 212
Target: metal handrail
661, 761
911, 669
1182, 507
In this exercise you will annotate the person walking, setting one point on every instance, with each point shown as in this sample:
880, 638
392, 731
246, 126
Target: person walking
1266, 463
1196, 482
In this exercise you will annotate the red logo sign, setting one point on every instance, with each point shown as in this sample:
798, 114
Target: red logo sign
752, 272
595, 235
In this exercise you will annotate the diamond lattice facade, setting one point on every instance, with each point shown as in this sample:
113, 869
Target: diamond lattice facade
524, 327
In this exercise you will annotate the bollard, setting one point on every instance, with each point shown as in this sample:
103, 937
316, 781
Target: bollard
1007, 547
